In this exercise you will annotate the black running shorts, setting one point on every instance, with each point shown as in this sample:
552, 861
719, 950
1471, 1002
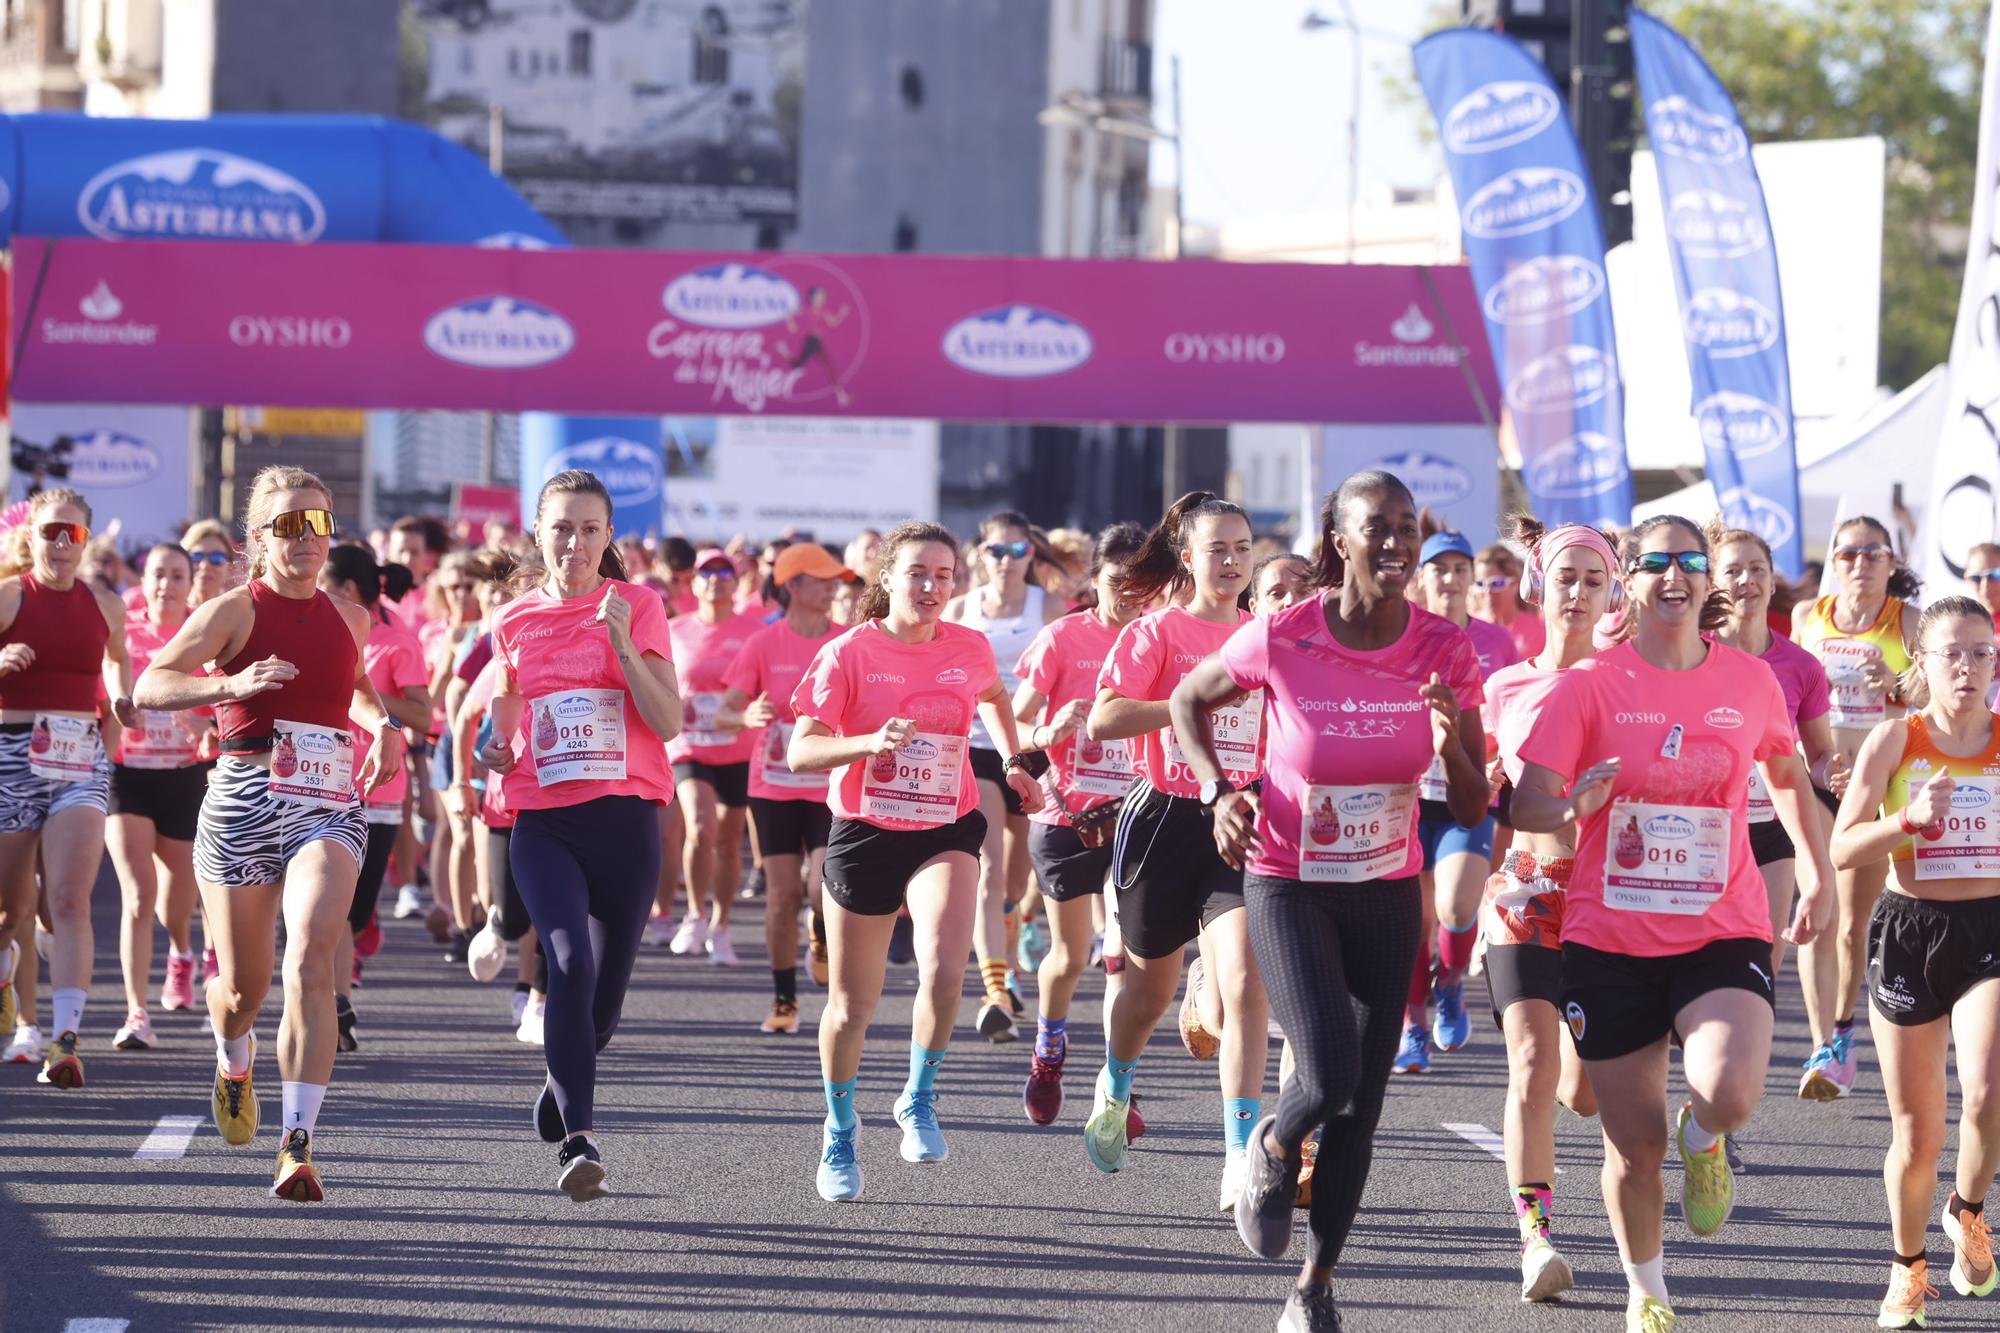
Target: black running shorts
1616, 1004
1924, 956
868, 869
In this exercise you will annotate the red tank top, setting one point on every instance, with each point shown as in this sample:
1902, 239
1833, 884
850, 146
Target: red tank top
68, 633
311, 635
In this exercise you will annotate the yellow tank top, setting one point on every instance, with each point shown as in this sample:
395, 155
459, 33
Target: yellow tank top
1845, 655
1966, 843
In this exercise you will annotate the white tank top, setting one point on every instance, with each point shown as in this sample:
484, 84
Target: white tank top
1010, 637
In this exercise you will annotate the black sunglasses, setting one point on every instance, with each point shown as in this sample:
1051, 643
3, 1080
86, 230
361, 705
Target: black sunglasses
1008, 550
1659, 562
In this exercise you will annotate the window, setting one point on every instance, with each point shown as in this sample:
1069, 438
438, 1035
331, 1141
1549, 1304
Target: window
906, 235
911, 85
579, 52
711, 47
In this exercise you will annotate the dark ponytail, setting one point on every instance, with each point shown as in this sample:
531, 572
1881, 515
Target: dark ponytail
1156, 566
351, 562
875, 598
576, 481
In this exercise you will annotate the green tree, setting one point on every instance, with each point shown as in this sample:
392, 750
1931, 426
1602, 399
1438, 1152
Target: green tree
1907, 70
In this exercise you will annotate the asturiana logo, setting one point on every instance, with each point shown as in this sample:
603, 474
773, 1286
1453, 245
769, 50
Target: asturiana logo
1723, 718
1681, 129
314, 742
1672, 828
574, 709
1434, 480
1970, 798
199, 192
1500, 115
1579, 467
1524, 200
499, 333
951, 676
1744, 425
1017, 342
1713, 225
1568, 377
730, 296
1728, 324
1363, 803
1744, 508
106, 459
628, 469
1544, 288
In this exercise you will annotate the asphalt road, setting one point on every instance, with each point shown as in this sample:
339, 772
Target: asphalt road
442, 1212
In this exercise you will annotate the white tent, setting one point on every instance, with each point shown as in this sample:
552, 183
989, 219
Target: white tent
1852, 467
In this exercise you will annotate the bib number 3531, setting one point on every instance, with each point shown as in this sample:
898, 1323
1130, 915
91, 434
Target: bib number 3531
313, 766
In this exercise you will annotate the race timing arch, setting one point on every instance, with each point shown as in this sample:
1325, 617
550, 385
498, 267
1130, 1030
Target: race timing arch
362, 262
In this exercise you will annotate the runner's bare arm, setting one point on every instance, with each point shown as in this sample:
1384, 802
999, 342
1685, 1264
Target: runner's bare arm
1115, 718
117, 660
1862, 834
815, 748
1541, 807
1793, 799
214, 632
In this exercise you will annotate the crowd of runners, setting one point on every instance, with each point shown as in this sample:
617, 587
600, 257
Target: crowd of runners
1605, 777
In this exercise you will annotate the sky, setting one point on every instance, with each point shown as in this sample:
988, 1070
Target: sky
1267, 104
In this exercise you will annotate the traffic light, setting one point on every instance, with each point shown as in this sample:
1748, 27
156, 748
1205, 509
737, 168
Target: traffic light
1586, 46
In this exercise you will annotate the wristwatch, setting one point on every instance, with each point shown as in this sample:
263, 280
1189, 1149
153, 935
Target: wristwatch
1214, 790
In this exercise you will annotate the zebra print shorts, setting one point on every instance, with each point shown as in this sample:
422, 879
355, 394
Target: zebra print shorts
246, 835
27, 801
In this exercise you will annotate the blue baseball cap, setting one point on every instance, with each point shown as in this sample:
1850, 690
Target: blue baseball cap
1445, 543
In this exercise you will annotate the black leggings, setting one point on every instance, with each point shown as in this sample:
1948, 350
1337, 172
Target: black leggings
374, 865
505, 894
588, 874
1336, 960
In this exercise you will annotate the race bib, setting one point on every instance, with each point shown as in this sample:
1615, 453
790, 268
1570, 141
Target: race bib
1965, 844
1760, 808
1669, 859
1355, 834
1100, 768
778, 770
1234, 731
313, 766
698, 713
1433, 786
919, 782
63, 749
579, 736
159, 741
1854, 706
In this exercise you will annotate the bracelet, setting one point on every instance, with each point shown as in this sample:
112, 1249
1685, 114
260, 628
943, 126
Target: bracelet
1903, 822
1035, 741
1013, 762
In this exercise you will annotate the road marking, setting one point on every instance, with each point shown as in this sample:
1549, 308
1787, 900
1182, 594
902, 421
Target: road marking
100, 1325
1479, 1136
169, 1139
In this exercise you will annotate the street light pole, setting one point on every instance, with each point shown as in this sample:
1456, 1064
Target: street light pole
1353, 128
1172, 466
489, 425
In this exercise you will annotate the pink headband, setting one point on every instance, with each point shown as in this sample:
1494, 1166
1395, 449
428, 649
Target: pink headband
1561, 539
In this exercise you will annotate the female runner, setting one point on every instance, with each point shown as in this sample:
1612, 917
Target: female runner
281, 825
1363, 690
60, 640
1862, 633
889, 704
1923, 796
1172, 884
1647, 750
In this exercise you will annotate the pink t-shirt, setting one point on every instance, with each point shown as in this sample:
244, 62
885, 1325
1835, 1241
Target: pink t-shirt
1494, 645
144, 641
1342, 717
703, 654
773, 662
394, 662
867, 676
1514, 698
1803, 679
551, 645
1062, 664
1148, 659
1688, 740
